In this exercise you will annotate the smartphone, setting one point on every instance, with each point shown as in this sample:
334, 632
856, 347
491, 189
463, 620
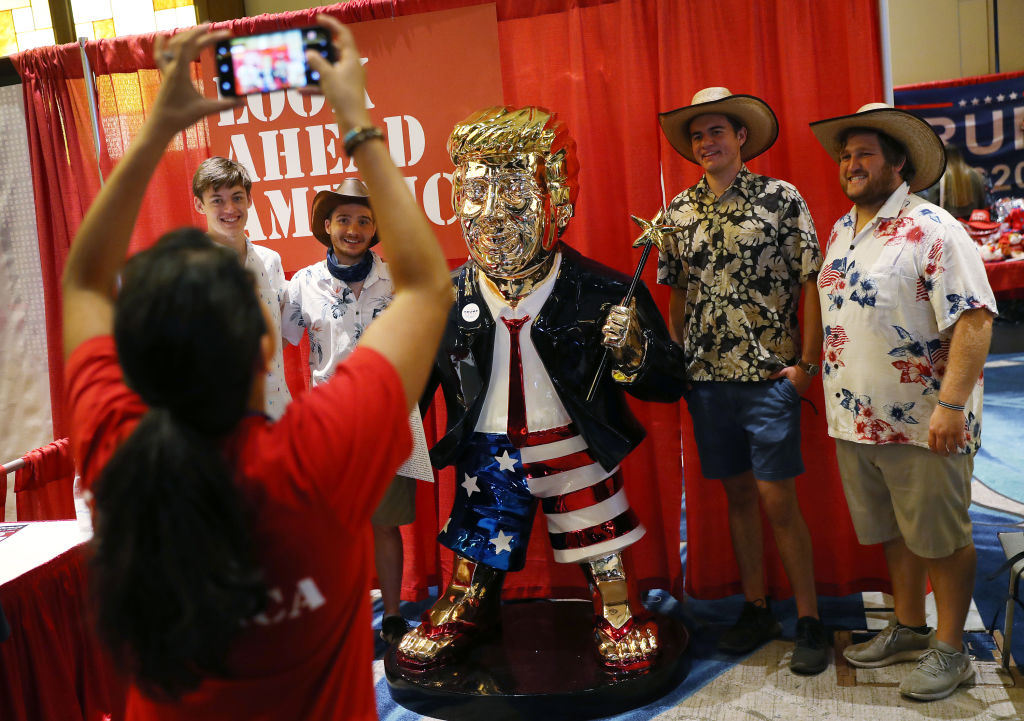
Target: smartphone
270, 61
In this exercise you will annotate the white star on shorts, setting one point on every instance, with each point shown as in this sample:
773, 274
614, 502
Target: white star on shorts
503, 543
470, 485
506, 462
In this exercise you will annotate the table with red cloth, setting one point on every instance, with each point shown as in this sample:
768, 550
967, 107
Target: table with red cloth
1006, 278
42, 485
52, 667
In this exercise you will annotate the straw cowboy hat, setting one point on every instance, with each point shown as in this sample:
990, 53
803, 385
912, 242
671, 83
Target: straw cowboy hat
752, 113
350, 190
918, 138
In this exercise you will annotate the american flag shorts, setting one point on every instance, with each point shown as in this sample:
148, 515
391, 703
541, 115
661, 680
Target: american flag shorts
499, 486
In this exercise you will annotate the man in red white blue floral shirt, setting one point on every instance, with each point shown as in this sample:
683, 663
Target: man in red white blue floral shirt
907, 310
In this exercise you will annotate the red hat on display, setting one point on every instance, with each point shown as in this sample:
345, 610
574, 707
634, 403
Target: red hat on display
981, 220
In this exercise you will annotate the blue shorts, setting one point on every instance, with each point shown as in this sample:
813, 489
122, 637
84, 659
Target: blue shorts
742, 426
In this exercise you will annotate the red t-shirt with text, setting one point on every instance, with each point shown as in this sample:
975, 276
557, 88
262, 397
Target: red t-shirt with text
314, 478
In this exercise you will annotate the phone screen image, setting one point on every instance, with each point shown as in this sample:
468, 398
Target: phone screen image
268, 62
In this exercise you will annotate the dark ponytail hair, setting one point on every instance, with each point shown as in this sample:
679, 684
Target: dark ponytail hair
173, 572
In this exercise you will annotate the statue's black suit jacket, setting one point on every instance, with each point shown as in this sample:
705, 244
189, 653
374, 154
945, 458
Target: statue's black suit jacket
567, 336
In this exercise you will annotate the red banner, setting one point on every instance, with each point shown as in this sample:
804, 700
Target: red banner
424, 73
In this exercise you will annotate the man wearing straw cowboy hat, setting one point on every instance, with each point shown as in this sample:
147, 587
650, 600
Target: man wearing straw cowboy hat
908, 313
736, 271
333, 301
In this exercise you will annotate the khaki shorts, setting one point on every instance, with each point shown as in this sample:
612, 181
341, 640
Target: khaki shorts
398, 506
908, 491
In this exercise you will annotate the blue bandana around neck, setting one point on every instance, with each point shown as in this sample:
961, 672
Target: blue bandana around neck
349, 273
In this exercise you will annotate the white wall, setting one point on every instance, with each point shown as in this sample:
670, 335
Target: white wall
946, 39
25, 421
1011, 35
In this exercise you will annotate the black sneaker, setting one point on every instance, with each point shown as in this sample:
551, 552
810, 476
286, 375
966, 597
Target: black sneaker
392, 628
755, 626
810, 653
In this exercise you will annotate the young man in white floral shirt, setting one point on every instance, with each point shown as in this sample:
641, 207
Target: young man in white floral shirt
332, 302
736, 273
908, 313
221, 191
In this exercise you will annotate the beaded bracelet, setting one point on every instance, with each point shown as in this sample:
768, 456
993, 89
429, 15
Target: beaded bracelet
359, 135
950, 406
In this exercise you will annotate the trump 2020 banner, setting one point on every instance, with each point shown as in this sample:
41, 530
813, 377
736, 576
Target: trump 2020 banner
424, 73
984, 116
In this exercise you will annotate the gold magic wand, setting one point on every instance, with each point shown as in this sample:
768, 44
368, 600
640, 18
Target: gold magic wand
654, 233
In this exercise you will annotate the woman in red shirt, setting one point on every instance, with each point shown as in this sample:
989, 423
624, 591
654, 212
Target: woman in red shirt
233, 555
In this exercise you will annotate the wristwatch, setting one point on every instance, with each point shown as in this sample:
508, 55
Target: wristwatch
810, 369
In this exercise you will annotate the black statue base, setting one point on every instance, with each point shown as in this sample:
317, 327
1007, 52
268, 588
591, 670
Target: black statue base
542, 665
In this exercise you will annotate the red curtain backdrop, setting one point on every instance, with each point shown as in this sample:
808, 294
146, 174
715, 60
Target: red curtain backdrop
66, 167
607, 67
808, 60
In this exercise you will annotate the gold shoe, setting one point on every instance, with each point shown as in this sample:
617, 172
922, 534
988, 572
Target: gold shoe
467, 612
625, 634
631, 649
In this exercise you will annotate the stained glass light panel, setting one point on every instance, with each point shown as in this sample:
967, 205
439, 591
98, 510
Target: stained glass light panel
111, 18
26, 24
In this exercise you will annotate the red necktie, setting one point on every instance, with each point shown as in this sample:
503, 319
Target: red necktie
516, 395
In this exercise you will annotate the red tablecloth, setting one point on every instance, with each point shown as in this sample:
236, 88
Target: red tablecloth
1006, 278
52, 667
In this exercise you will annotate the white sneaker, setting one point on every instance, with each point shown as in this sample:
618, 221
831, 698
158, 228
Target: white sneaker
938, 674
892, 644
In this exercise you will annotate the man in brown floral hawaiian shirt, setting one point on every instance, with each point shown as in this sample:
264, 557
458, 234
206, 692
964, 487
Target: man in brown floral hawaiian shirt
736, 273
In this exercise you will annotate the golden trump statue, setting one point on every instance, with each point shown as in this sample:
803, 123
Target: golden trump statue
531, 321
